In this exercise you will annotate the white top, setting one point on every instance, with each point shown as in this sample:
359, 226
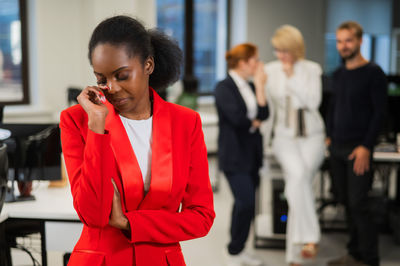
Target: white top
247, 94
302, 90
140, 136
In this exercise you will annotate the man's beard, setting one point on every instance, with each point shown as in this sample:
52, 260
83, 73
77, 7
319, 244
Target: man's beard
351, 55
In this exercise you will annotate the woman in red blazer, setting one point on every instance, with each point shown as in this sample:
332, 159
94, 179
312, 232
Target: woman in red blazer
133, 214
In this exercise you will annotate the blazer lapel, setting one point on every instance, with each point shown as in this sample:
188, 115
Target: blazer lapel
237, 94
131, 176
161, 161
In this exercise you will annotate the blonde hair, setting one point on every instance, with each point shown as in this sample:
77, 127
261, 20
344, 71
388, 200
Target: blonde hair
242, 51
289, 38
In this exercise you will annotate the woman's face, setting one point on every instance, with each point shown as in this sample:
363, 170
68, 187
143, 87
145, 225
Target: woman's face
249, 67
127, 78
284, 56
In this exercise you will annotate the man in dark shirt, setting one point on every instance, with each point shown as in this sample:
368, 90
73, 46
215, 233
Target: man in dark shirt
354, 122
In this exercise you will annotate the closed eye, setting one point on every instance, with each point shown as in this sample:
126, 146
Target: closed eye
102, 82
122, 76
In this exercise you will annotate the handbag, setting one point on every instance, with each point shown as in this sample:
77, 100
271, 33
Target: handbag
301, 123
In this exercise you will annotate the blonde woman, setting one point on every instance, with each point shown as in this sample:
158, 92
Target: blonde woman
294, 89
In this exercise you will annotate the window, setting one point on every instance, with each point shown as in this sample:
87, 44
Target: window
210, 37
13, 65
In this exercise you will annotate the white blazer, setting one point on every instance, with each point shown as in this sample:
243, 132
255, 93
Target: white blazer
305, 90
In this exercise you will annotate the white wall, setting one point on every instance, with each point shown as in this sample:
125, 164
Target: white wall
60, 32
265, 16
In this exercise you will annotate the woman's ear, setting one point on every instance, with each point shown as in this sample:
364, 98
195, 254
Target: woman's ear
149, 65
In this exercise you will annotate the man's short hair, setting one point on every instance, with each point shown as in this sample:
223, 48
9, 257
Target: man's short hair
352, 25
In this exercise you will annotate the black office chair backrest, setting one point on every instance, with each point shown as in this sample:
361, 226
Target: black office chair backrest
3, 173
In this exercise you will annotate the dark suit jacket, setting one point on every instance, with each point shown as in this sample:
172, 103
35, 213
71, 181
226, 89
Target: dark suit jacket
239, 150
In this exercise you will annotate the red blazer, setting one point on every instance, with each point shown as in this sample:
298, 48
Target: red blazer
178, 206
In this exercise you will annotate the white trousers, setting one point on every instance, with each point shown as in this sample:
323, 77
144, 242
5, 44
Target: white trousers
300, 159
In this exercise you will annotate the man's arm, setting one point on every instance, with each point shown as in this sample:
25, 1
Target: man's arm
378, 96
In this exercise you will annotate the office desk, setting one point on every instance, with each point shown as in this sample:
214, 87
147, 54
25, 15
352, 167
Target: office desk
51, 214
387, 163
380, 156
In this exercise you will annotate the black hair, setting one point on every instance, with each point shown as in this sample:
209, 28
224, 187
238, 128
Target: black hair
131, 34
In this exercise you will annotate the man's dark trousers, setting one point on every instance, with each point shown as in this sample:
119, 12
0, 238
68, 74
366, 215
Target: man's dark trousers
352, 191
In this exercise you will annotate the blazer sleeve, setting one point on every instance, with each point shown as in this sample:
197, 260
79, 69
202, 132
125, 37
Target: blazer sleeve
89, 171
229, 108
197, 212
307, 86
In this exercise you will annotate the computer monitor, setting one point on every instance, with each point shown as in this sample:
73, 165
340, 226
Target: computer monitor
391, 123
34, 153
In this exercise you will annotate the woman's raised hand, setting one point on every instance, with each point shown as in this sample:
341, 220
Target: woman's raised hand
260, 79
92, 101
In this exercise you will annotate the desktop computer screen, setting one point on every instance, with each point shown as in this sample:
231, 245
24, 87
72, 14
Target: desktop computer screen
34, 153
